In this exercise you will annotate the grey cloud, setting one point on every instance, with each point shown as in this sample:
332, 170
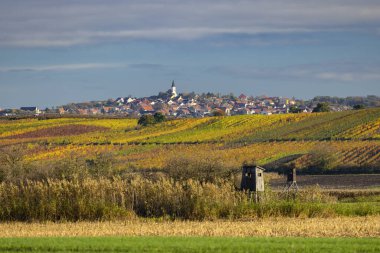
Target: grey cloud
63, 23
348, 76
62, 67
145, 66
338, 71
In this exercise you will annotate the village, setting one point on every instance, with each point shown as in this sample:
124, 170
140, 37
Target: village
180, 105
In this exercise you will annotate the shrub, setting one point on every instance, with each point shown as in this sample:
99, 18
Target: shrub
146, 120
13, 166
359, 107
323, 158
197, 167
322, 107
101, 165
159, 117
218, 112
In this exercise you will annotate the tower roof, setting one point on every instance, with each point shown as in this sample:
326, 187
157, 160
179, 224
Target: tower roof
173, 85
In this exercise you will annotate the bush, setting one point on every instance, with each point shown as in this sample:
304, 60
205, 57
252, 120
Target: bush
294, 109
13, 166
322, 107
101, 165
218, 112
323, 158
359, 107
159, 117
146, 120
197, 167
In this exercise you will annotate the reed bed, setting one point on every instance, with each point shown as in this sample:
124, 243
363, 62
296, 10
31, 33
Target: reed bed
274, 227
111, 199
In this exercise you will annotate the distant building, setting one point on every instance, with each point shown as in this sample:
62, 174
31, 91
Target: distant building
173, 90
31, 109
243, 97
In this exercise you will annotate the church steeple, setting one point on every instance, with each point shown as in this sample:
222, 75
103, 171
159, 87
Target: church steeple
174, 90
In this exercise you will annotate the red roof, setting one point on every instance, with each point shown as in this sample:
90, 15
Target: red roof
146, 107
242, 96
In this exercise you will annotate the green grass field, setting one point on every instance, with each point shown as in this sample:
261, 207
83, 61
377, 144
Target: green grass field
189, 244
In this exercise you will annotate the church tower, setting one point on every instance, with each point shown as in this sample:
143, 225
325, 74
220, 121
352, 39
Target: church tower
174, 90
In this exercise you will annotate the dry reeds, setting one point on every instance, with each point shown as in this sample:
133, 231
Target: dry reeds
294, 227
110, 199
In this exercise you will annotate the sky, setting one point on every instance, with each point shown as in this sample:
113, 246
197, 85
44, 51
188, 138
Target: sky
54, 52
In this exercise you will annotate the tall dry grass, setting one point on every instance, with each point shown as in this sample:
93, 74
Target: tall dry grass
293, 227
110, 199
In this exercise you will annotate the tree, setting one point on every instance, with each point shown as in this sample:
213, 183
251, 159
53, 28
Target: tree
359, 106
146, 120
218, 112
201, 167
13, 166
159, 117
101, 165
231, 96
294, 109
322, 107
323, 157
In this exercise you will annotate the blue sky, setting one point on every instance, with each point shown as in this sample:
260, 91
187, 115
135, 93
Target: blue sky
53, 52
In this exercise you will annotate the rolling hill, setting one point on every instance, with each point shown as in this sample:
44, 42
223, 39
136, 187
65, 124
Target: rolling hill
351, 138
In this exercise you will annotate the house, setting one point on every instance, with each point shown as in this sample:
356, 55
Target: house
266, 112
164, 111
226, 110
120, 101
242, 111
31, 109
305, 109
146, 107
183, 112
108, 109
94, 111
256, 111
61, 110
240, 105
192, 102
83, 111
130, 100
7, 112
179, 99
243, 97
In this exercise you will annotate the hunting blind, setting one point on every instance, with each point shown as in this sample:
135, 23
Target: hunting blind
252, 178
291, 182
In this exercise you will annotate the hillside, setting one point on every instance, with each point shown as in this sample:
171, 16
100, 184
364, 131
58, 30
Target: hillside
349, 139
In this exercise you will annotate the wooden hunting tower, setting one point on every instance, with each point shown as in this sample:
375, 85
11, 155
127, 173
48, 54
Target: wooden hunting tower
252, 178
291, 182
291, 177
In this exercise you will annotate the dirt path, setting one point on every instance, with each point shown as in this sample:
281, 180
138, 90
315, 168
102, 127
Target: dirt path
349, 181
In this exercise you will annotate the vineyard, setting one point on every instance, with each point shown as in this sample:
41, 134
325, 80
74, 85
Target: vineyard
350, 139
70, 169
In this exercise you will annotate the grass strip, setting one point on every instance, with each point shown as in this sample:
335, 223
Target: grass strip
189, 244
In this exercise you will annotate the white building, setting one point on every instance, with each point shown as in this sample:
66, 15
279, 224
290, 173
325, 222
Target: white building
174, 90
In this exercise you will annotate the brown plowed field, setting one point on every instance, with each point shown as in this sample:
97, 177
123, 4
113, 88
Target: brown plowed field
58, 131
344, 181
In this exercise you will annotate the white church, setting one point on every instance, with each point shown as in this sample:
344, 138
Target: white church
173, 90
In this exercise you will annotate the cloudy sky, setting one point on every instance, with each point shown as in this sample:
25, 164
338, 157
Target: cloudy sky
53, 52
